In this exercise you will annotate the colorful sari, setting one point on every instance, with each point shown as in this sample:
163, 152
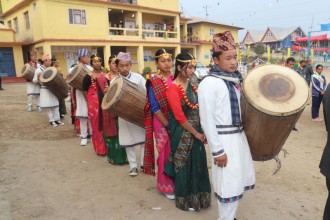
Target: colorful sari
164, 183
187, 163
108, 124
93, 115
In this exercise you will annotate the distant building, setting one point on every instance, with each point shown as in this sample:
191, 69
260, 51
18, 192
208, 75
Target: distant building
252, 37
281, 37
199, 36
276, 38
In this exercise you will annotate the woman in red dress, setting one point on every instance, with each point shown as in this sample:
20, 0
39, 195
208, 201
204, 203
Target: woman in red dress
90, 93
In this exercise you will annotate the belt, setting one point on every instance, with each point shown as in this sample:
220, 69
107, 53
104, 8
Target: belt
237, 129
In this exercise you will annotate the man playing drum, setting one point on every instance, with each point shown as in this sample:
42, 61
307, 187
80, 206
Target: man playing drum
130, 135
33, 89
81, 104
220, 114
47, 99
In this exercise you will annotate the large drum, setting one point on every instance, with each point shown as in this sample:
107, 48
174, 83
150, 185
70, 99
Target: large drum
125, 100
28, 72
273, 99
54, 81
77, 76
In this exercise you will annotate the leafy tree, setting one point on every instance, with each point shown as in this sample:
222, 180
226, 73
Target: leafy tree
259, 49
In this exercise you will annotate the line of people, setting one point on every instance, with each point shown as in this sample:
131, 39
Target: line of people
179, 120
45, 99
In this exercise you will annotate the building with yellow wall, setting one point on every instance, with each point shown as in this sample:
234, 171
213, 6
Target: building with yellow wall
105, 27
198, 39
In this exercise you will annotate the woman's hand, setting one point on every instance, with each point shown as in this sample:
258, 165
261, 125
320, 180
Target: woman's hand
200, 137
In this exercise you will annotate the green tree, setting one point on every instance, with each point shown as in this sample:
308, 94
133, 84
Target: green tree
259, 49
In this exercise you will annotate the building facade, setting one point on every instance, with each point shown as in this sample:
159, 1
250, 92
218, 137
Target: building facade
105, 27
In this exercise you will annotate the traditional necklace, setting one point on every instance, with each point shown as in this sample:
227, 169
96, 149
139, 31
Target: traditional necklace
93, 81
109, 76
164, 81
185, 98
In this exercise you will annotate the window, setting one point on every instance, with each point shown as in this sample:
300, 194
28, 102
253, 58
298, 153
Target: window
27, 20
16, 25
77, 16
9, 24
269, 34
211, 32
148, 56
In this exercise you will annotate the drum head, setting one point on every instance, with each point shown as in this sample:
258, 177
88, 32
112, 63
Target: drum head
276, 90
48, 74
113, 94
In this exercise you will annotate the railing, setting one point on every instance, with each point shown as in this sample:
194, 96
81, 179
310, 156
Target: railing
134, 2
159, 34
124, 31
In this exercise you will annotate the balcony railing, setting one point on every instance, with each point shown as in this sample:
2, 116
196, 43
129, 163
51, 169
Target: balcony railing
124, 31
159, 34
124, 1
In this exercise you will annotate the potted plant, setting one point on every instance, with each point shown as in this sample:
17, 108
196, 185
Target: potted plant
146, 72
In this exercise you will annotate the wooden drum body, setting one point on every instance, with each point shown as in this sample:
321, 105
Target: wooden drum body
28, 72
77, 76
273, 99
125, 100
54, 81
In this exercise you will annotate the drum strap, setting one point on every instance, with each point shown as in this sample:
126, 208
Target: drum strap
238, 129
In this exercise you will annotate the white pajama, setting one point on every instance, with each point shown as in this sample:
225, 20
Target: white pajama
227, 211
31, 98
84, 125
53, 113
131, 156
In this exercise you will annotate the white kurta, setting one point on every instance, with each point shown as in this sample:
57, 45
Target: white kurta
130, 134
214, 109
47, 98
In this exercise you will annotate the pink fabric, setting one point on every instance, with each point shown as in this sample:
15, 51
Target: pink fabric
164, 183
93, 115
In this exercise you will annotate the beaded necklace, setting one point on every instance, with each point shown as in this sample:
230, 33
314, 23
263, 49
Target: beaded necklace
93, 85
185, 98
164, 81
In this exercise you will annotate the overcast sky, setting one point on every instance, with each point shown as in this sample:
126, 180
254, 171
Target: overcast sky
259, 14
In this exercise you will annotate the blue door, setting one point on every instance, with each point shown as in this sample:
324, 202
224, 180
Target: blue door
7, 64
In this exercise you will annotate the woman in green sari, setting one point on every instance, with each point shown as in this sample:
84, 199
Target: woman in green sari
187, 163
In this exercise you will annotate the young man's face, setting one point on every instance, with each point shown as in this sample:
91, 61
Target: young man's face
48, 63
227, 61
84, 59
124, 67
290, 64
33, 57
